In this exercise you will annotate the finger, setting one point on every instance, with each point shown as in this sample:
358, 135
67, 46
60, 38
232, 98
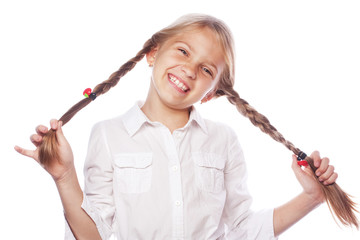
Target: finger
41, 130
331, 179
27, 153
60, 134
301, 170
316, 157
323, 166
54, 124
326, 175
308, 170
296, 168
36, 139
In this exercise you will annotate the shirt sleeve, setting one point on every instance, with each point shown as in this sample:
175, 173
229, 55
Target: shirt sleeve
98, 200
241, 222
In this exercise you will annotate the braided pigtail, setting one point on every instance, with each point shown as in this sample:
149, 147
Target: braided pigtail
339, 202
48, 149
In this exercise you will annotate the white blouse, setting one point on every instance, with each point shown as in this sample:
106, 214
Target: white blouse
142, 182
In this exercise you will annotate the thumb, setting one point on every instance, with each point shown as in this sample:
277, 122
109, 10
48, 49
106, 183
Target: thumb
299, 172
59, 133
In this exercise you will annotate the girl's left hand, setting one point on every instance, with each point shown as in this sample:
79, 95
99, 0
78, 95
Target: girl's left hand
306, 177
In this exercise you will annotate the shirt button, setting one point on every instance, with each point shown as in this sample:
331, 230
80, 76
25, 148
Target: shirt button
177, 135
177, 203
175, 168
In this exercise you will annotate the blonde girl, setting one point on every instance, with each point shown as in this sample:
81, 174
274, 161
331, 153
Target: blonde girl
161, 171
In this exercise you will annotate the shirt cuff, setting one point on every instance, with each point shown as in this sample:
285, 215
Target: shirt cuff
264, 219
269, 228
257, 226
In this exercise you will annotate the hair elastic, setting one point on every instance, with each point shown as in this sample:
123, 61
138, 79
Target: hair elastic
88, 94
92, 96
301, 156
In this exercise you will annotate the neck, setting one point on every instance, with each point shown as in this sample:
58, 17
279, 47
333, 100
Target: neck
172, 118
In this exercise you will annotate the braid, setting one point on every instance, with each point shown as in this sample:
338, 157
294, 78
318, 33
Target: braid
339, 202
258, 119
48, 149
124, 69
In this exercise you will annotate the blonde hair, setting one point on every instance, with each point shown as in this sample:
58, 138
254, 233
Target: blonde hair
338, 201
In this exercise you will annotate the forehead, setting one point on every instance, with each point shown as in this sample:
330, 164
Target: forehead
202, 40
197, 35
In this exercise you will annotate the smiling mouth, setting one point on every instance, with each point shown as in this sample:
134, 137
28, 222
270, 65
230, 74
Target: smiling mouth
178, 83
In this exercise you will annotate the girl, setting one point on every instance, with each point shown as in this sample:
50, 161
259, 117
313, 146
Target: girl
160, 171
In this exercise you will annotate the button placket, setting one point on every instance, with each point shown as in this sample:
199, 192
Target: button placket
172, 144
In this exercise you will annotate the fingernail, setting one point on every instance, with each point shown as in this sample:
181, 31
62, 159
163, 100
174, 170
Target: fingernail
318, 173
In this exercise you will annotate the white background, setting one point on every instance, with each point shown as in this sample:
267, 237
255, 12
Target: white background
297, 63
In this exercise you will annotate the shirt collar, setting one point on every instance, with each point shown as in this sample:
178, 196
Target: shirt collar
134, 118
196, 117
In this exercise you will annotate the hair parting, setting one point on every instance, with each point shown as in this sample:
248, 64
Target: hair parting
339, 202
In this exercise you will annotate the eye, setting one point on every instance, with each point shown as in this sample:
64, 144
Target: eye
207, 71
183, 51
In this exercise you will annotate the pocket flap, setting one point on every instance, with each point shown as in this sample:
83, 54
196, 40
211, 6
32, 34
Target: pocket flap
133, 160
209, 160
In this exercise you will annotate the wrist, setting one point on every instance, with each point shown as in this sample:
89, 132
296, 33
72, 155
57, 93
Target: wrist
67, 178
311, 201
291, 212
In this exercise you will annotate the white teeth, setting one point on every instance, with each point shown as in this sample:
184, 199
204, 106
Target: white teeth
178, 83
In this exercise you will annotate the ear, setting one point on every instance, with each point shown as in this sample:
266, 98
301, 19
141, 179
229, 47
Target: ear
150, 56
208, 96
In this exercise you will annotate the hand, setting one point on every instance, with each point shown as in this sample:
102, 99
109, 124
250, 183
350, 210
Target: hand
307, 179
57, 168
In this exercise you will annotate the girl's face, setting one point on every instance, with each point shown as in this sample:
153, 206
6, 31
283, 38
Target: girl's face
186, 68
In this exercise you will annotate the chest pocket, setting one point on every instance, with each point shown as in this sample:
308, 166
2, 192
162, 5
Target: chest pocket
133, 172
209, 171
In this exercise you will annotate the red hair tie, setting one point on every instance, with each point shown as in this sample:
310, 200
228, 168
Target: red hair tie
88, 94
301, 162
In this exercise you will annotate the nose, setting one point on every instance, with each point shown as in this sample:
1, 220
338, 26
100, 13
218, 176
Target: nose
189, 69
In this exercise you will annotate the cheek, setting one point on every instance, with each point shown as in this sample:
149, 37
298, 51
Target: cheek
210, 84
156, 70
204, 87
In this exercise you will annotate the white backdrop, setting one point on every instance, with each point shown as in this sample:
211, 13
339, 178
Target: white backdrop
297, 63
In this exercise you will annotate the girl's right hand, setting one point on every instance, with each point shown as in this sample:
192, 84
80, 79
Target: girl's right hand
57, 168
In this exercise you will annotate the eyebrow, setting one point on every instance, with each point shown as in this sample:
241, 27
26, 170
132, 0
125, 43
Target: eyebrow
210, 63
185, 44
